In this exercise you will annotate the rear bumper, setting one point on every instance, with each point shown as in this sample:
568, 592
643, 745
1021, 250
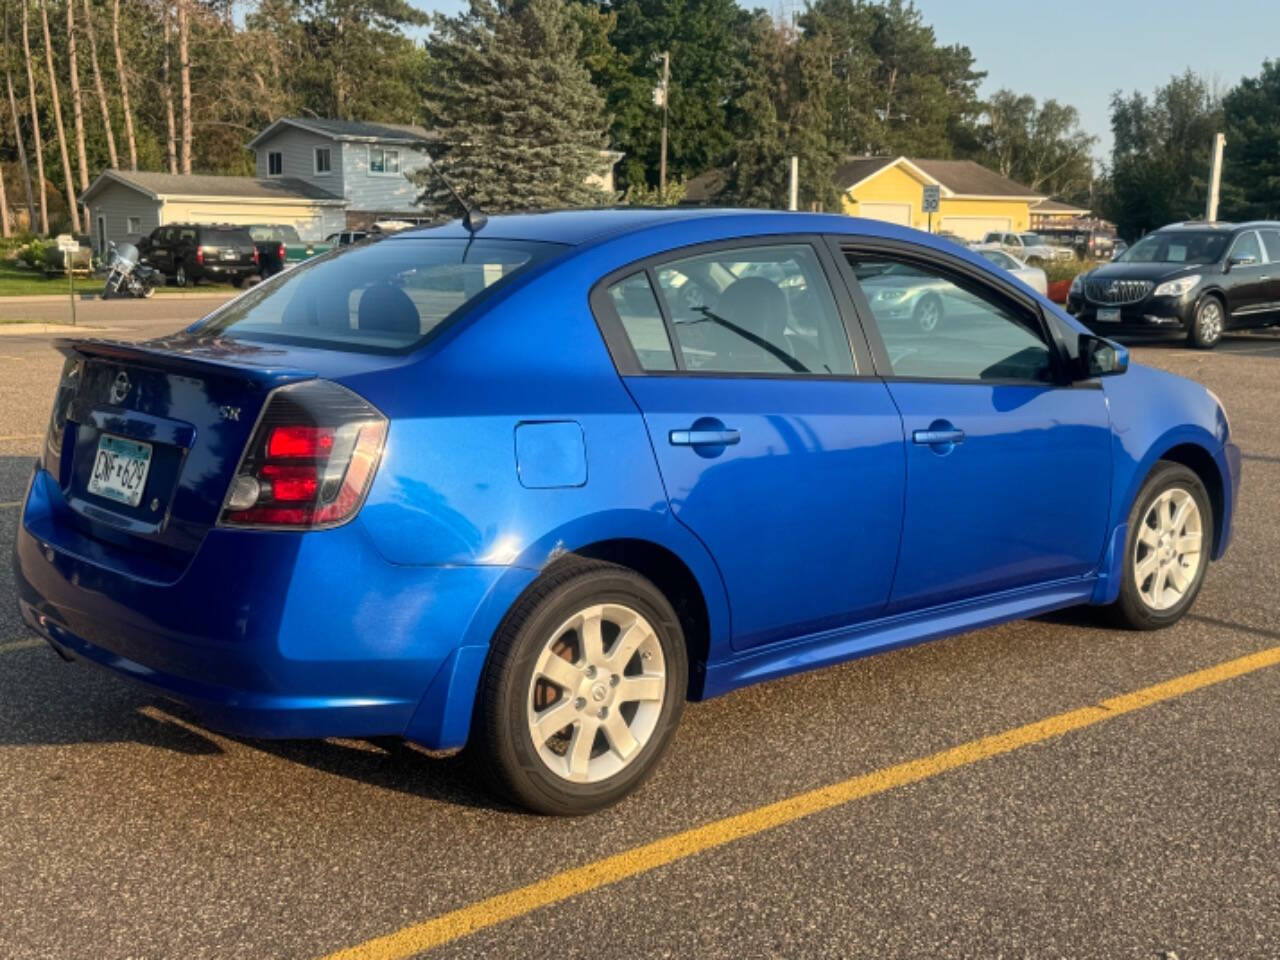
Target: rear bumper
269, 634
219, 271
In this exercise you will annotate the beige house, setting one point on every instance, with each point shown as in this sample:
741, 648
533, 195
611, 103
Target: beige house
124, 205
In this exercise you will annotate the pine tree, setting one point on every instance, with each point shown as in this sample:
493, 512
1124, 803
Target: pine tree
521, 126
780, 110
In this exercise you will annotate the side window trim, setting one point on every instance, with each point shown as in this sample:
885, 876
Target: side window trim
623, 354
842, 245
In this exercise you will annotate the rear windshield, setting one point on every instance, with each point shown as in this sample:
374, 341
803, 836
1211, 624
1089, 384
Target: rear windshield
1178, 246
386, 295
284, 233
224, 237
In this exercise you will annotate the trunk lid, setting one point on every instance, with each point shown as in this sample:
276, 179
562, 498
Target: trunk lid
227, 247
146, 437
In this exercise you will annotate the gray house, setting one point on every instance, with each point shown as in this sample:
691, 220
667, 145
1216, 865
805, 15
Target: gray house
367, 164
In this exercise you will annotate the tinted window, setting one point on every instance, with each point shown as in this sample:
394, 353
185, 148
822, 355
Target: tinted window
385, 295
1246, 246
942, 328
637, 308
755, 310
1271, 238
226, 238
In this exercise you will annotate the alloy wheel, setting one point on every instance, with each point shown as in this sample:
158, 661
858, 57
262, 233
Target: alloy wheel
1209, 321
596, 693
1167, 549
180, 277
928, 315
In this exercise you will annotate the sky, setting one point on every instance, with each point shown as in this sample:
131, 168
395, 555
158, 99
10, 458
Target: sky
1081, 51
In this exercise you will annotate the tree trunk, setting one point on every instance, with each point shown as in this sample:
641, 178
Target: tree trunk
73, 204
166, 86
35, 126
124, 86
184, 72
97, 84
77, 108
17, 129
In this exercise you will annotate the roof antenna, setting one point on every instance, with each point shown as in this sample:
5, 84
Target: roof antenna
473, 218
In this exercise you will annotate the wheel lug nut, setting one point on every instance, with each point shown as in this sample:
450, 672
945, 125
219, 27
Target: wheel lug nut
613, 680
580, 703
591, 672
604, 712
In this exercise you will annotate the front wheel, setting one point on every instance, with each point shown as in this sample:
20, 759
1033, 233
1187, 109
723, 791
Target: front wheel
1167, 549
582, 691
145, 291
928, 314
1207, 325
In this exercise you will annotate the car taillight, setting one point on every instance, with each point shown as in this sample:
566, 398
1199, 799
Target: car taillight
200, 256
310, 462
282, 253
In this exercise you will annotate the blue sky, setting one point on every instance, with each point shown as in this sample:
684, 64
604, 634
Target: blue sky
1080, 51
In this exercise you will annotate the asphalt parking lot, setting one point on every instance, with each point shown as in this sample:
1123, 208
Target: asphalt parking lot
1145, 827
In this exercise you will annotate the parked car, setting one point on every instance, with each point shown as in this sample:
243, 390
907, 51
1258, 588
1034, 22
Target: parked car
1118, 248
1033, 277
527, 489
1027, 247
953, 237
187, 253
1088, 243
345, 238
1196, 278
279, 246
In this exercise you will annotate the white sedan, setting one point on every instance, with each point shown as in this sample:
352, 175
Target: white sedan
1033, 277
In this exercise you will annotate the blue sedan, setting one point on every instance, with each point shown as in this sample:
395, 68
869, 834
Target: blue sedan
528, 488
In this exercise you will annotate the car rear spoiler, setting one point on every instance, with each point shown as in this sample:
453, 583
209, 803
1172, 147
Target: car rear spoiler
189, 359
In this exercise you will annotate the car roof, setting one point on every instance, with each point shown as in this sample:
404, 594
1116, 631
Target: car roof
588, 226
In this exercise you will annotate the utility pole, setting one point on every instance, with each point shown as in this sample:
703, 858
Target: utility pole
666, 86
1215, 177
793, 202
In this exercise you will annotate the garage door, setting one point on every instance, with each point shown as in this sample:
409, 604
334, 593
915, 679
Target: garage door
975, 228
892, 212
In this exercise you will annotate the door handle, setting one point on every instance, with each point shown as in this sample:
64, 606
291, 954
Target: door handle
695, 438
931, 438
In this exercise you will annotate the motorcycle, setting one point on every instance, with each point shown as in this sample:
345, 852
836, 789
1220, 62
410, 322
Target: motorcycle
127, 276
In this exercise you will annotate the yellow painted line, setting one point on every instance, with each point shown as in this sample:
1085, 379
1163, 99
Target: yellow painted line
448, 927
26, 643
22, 436
10, 504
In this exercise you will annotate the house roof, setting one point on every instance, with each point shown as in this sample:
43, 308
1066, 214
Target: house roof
957, 178
1057, 206
357, 130
162, 186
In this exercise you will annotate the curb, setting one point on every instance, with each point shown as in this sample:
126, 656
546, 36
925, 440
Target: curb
86, 297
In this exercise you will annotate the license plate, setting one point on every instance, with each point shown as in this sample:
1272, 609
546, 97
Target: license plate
120, 469
1108, 314
230, 255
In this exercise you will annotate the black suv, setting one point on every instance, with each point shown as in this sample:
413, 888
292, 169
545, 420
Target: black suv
190, 252
1197, 278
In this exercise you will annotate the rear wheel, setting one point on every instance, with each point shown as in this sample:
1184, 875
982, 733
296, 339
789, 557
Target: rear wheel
180, 276
583, 689
1167, 549
1208, 323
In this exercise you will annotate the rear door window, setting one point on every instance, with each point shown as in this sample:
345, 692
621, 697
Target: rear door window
1271, 240
761, 309
382, 296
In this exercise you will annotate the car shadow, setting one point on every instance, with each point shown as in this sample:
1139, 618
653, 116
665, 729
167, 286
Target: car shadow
1260, 343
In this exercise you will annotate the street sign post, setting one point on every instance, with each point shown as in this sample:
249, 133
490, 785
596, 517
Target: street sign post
69, 247
929, 204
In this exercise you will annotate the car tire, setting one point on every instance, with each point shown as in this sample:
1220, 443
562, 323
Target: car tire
1208, 323
514, 741
1153, 542
238, 282
180, 276
148, 291
928, 314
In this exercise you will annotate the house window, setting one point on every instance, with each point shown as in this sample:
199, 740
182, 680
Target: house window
382, 160
322, 160
275, 164
134, 225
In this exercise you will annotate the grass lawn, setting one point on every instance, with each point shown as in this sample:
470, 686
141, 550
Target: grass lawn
17, 282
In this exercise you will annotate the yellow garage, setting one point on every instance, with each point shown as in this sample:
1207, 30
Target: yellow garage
973, 201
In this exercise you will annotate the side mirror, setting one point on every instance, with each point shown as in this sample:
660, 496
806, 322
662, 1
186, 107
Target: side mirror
1100, 357
1246, 261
